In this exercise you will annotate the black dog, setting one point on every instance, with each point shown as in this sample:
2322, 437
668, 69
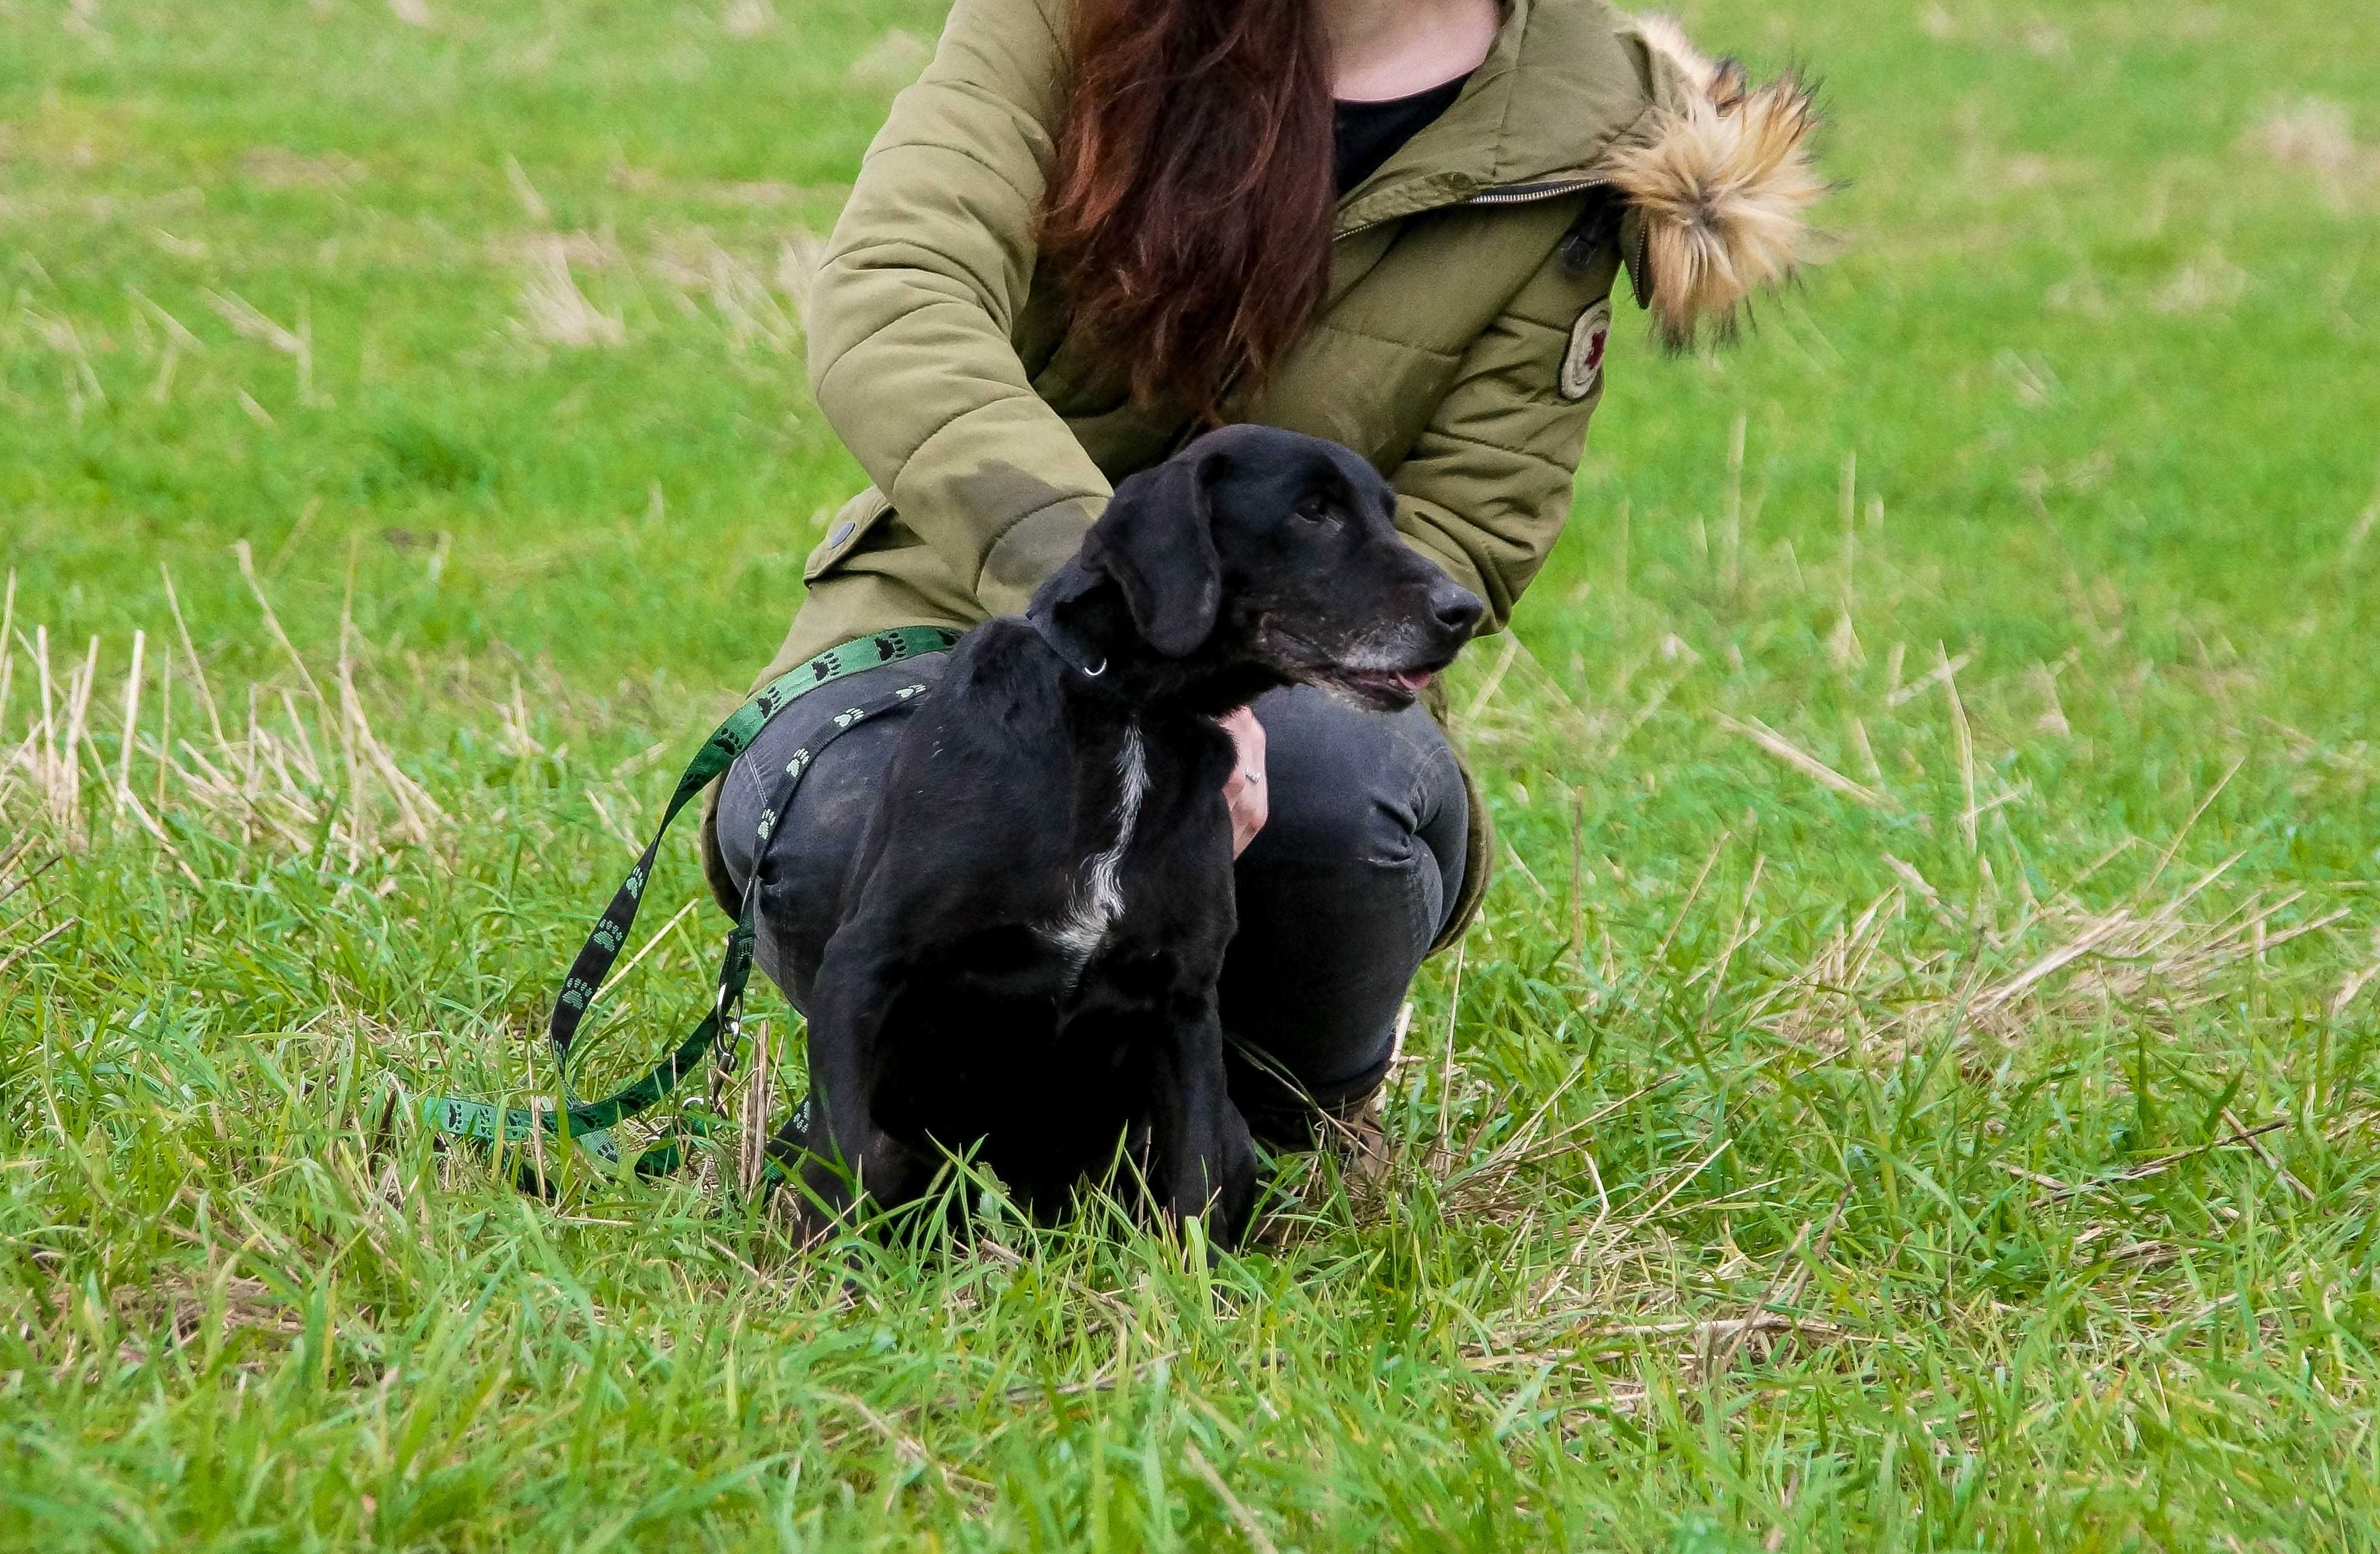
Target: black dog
1040, 906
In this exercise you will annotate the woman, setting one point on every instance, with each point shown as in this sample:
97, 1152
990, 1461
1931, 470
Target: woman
1094, 228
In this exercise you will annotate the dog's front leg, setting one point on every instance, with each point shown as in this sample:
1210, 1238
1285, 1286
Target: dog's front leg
846, 1154
1206, 1162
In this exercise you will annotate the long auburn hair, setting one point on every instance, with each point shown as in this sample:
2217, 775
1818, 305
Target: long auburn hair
1189, 217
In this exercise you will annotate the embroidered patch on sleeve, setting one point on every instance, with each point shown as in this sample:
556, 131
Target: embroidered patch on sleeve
1582, 365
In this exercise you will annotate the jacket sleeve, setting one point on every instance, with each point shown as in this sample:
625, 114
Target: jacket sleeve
1485, 491
911, 312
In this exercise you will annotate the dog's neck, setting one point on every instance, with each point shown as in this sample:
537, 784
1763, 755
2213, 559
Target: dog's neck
1080, 614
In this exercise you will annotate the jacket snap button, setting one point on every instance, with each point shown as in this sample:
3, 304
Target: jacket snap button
842, 532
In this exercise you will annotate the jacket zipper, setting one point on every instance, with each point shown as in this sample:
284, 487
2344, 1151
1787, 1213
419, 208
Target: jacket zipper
1507, 194
1525, 194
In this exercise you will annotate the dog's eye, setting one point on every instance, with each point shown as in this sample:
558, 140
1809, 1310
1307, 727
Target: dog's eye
1315, 510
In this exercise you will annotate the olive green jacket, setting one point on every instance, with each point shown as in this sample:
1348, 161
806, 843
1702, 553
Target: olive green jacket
1458, 348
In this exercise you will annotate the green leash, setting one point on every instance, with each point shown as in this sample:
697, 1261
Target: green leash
587, 1125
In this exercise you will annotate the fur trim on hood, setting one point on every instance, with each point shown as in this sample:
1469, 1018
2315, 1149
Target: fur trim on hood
1719, 181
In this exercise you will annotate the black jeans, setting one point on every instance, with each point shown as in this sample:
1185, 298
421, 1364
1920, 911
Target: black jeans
1356, 871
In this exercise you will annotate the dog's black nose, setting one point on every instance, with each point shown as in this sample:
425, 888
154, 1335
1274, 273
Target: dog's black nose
1455, 608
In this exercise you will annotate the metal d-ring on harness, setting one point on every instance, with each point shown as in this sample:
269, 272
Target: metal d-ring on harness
587, 1125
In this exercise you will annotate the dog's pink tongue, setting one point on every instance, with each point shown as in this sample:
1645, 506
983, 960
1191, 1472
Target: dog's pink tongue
1413, 681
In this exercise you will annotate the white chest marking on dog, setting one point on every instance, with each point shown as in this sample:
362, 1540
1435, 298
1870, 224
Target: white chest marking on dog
1097, 899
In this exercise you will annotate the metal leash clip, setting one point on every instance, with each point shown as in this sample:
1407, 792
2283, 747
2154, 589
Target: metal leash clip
724, 1053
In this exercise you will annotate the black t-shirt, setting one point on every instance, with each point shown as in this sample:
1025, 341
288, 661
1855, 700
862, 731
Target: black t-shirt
1371, 133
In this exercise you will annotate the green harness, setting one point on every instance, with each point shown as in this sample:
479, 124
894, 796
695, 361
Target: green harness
587, 1125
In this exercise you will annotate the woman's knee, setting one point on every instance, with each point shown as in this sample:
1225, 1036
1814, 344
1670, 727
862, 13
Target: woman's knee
1357, 786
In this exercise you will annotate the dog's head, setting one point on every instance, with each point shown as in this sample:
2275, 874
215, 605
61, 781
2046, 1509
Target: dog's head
1255, 545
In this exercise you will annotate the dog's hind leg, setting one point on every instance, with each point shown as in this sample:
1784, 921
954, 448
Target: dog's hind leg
847, 1154
1205, 1161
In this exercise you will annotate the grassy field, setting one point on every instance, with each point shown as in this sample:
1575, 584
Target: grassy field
1914, 1083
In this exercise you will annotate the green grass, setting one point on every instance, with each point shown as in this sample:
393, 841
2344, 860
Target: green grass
1815, 1163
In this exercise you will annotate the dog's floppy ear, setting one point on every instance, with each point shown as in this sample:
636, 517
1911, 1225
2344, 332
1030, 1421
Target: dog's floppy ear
1157, 540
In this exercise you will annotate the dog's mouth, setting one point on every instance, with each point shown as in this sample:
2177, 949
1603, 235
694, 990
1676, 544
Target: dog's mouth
1380, 690
1376, 686
1395, 688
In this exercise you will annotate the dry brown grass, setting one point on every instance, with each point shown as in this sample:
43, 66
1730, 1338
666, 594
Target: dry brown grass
754, 315
287, 764
2318, 136
892, 62
554, 311
748, 18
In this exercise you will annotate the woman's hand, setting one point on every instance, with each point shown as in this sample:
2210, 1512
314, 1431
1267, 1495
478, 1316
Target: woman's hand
1244, 791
